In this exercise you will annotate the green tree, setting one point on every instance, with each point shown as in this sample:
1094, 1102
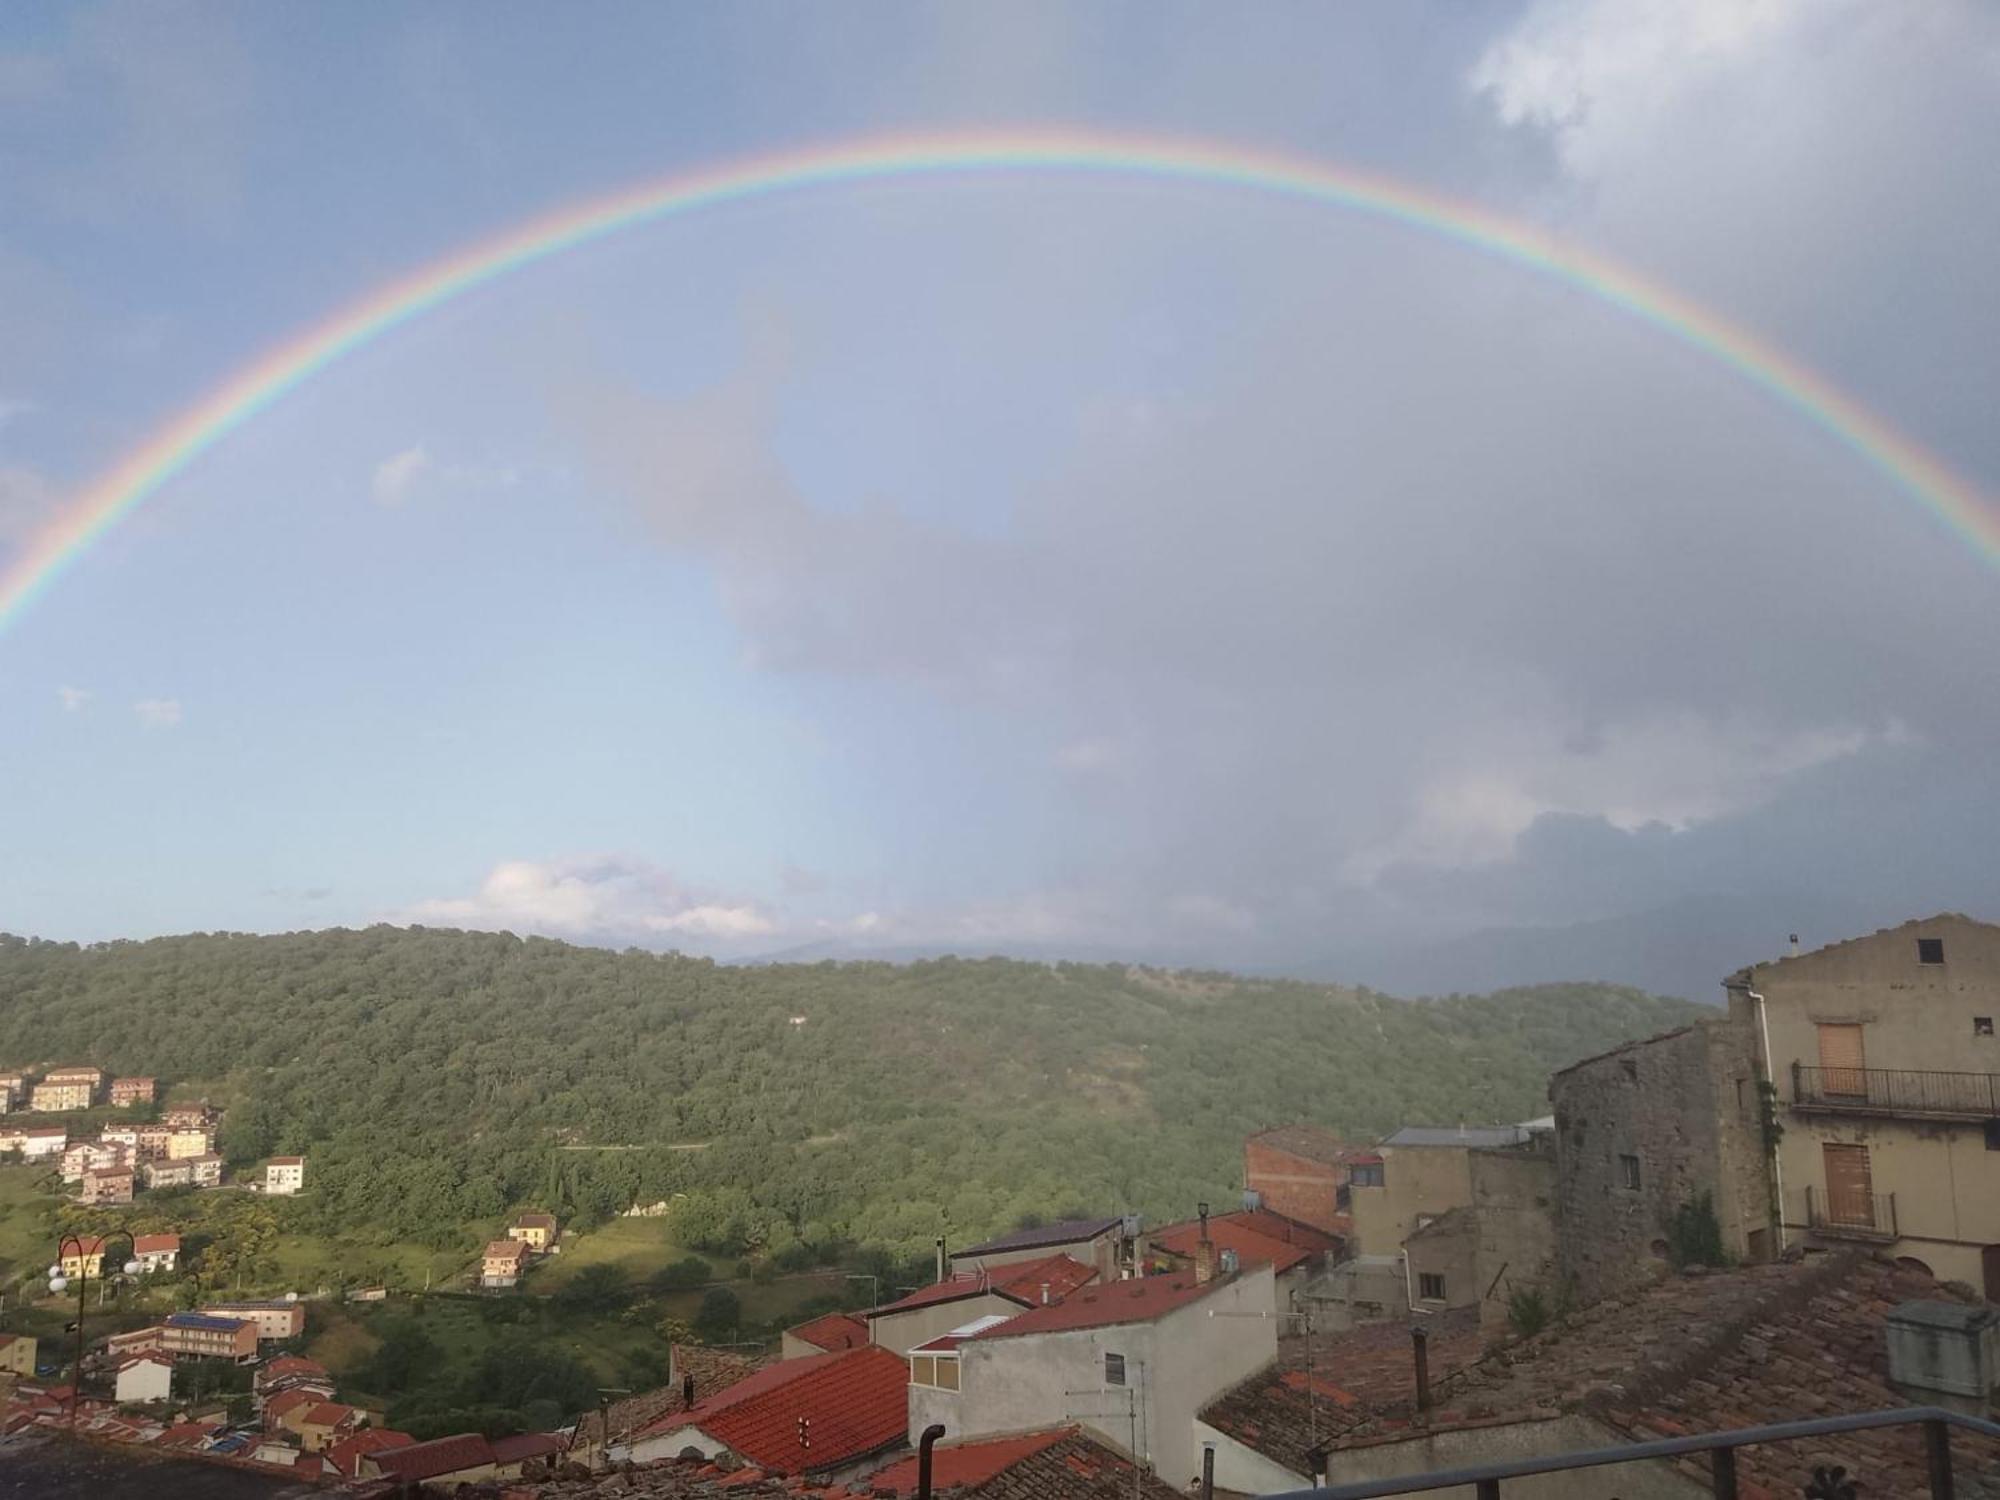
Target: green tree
720, 1315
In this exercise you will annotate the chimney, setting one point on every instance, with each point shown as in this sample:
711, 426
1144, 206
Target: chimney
1204, 1251
1045, 1294
687, 1389
1420, 1344
940, 1257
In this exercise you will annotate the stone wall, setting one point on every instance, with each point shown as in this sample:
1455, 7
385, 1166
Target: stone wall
1514, 1215
1680, 1111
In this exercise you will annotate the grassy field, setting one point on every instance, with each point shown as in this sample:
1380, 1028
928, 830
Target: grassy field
641, 1248
27, 1221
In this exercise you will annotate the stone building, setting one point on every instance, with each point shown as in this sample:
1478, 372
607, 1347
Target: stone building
1642, 1132
1886, 1067
1501, 1242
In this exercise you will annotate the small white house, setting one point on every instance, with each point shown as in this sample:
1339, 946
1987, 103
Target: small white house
144, 1377
284, 1175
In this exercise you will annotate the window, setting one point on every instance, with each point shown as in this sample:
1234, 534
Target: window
1114, 1369
923, 1370
1930, 950
947, 1372
1628, 1172
1982, 1026
1369, 1175
1993, 1135
1430, 1287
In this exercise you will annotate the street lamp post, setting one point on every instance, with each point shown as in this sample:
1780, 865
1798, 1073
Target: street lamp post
75, 1245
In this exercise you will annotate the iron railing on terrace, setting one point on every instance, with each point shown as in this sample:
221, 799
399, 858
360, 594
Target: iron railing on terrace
1815, 1482
1853, 1216
1897, 1091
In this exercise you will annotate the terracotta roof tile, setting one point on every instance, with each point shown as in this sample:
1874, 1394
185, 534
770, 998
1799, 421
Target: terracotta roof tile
445, 1455
1113, 1302
856, 1402
967, 1463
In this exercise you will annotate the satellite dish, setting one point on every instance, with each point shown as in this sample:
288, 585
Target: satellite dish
291, 1296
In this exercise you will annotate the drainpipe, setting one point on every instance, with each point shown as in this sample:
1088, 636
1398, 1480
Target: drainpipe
1777, 1168
924, 1445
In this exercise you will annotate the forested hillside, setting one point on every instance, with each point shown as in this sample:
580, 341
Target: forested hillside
438, 1078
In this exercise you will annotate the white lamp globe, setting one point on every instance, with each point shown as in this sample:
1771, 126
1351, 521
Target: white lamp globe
55, 1271
131, 1268
58, 1282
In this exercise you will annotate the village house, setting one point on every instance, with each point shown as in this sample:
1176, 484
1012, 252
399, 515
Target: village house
288, 1372
536, 1231
107, 1185
503, 1263
82, 1255
823, 1335
136, 1341
1132, 1360
694, 1373
131, 1091
1882, 1053
17, 1354
1296, 1253
38, 1144
320, 1424
1687, 1353
189, 1140
278, 1411
182, 1116
202, 1336
157, 1252
284, 1175
66, 1089
148, 1376
126, 1136
275, 1319
80, 1157
1648, 1133
13, 1088
189, 1171
446, 1463
831, 1416
1109, 1246
149, 1141
1301, 1172
1499, 1246
963, 1295
344, 1456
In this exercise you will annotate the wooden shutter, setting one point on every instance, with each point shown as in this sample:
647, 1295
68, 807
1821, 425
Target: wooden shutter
1850, 1197
1843, 1062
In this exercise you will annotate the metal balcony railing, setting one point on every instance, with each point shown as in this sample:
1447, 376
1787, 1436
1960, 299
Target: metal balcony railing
1854, 1216
1897, 1091
1488, 1481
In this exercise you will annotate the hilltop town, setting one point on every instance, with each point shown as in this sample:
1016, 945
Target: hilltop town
1787, 1208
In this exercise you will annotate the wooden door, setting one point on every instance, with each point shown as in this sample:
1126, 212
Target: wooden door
1843, 1063
1850, 1197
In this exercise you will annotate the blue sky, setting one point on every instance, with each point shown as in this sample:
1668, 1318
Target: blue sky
1016, 564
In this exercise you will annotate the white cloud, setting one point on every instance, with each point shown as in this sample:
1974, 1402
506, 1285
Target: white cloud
72, 698
402, 476
158, 713
598, 897
397, 475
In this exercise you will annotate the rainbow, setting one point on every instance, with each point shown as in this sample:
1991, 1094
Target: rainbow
172, 448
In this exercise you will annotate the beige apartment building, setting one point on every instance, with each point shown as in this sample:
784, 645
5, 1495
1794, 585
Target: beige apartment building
1886, 1067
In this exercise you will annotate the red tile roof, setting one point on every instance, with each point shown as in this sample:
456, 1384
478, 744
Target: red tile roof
445, 1455
856, 1401
1278, 1227
85, 1245
1225, 1233
299, 1161
831, 1332
1061, 1274
327, 1414
1113, 1302
286, 1401
525, 1445
969, 1463
507, 1250
288, 1364
187, 1435
345, 1455
148, 1244
534, 1221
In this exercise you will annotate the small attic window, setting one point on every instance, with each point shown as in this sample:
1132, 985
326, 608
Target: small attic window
1982, 1026
1930, 950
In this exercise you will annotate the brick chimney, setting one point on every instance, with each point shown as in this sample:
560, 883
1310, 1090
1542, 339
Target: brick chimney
1204, 1251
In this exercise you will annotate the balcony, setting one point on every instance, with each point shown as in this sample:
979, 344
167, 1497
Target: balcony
1851, 1216
1896, 1091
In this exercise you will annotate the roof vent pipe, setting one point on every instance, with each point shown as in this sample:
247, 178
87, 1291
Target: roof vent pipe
1045, 1294
940, 1258
924, 1445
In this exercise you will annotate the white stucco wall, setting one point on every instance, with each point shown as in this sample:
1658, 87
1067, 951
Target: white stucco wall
1174, 1365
